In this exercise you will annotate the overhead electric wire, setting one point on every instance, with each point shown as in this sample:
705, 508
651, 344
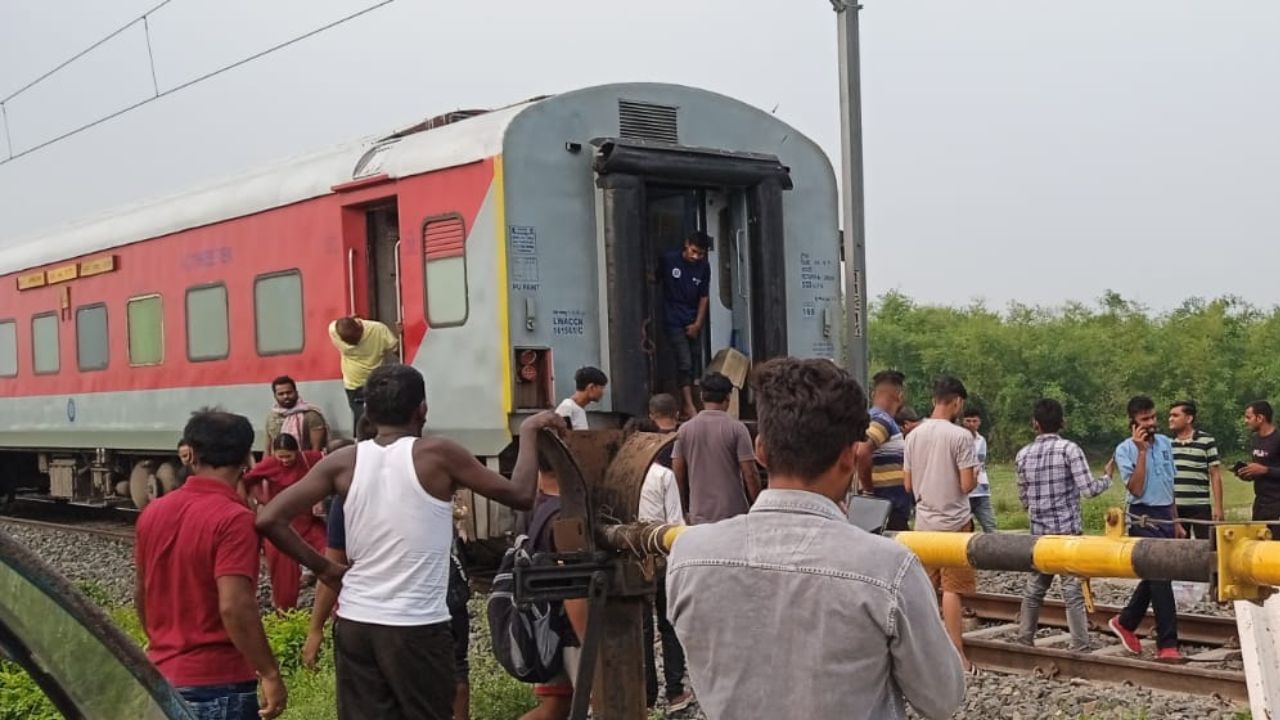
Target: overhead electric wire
194, 81
82, 53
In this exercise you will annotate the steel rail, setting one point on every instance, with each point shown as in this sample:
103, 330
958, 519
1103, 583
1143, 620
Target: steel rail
122, 535
1197, 629
1056, 663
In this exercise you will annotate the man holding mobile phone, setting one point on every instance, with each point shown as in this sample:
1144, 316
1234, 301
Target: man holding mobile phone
1147, 469
1264, 470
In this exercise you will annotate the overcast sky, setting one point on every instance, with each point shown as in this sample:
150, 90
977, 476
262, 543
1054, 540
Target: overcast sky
1015, 150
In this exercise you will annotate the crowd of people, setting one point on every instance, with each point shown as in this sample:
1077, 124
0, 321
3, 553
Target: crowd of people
372, 520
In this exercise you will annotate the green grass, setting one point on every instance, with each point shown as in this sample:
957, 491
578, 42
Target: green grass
312, 695
1237, 497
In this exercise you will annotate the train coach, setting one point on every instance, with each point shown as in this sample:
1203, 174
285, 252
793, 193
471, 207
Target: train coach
513, 246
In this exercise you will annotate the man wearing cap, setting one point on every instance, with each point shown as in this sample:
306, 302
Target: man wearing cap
714, 461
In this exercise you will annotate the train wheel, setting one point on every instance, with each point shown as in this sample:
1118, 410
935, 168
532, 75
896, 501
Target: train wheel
141, 480
167, 475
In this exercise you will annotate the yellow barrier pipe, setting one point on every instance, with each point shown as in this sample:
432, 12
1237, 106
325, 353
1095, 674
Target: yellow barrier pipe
938, 549
1084, 556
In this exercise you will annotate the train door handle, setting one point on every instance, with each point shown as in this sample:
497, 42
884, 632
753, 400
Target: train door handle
530, 314
351, 282
399, 299
739, 239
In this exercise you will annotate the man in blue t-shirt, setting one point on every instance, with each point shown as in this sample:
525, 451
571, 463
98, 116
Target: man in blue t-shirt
685, 276
1147, 469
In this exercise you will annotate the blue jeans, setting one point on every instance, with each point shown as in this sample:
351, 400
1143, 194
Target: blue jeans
983, 512
900, 506
238, 701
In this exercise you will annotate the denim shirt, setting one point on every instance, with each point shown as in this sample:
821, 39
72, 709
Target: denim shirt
791, 612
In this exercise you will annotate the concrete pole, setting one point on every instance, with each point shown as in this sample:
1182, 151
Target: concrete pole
1259, 627
853, 206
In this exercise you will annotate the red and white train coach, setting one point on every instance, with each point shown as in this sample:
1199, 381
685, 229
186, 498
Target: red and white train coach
516, 245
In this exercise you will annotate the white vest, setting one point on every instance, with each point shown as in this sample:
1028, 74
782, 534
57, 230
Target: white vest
398, 541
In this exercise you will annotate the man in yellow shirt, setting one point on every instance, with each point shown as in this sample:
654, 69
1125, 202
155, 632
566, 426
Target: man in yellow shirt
364, 346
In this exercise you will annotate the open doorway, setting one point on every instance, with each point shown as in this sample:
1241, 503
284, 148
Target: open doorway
651, 199
382, 233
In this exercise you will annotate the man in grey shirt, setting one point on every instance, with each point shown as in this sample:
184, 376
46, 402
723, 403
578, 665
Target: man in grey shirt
849, 618
714, 463
940, 469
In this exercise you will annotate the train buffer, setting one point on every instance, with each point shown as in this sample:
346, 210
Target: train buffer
608, 557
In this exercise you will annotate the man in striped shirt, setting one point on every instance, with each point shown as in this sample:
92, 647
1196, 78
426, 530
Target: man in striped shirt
1197, 485
879, 457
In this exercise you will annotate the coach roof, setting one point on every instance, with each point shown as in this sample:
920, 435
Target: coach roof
291, 181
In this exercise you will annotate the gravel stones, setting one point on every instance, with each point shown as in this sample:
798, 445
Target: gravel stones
1016, 697
102, 567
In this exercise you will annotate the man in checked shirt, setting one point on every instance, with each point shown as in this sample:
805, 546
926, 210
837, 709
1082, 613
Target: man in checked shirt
1052, 476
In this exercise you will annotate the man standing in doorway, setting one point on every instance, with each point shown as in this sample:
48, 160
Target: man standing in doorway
1264, 471
879, 457
940, 469
364, 346
1197, 486
293, 416
685, 275
1146, 467
980, 498
714, 462
590, 383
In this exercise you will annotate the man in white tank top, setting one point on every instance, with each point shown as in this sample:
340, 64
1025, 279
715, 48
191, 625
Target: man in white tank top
392, 643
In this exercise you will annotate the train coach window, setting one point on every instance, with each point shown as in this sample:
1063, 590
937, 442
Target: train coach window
277, 312
146, 330
44, 343
207, 335
91, 337
8, 348
444, 244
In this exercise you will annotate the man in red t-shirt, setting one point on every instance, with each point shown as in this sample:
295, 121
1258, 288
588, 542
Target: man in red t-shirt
196, 554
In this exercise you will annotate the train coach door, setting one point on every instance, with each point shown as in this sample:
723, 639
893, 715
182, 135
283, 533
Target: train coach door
382, 233
642, 182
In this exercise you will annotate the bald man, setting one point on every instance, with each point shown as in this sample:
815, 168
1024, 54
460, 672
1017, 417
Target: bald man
365, 345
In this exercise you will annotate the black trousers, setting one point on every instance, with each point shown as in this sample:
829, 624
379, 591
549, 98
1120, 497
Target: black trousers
394, 673
1267, 510
672, 653
355, 400
687, 351
1155, 594
1197, 512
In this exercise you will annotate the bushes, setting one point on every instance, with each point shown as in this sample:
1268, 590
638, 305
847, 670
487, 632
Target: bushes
1217, 353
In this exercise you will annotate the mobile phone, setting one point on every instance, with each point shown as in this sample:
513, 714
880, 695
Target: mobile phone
869, 513
1238, 467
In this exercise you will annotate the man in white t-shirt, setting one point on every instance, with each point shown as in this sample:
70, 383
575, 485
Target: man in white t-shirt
940, 470
980, 499
660, 502
590, 383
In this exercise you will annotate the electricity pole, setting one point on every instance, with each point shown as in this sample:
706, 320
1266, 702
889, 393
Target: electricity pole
852, 202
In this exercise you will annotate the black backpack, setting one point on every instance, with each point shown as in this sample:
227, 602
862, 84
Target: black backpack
529, 638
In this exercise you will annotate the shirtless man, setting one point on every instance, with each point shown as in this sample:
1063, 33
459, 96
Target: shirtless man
392, 641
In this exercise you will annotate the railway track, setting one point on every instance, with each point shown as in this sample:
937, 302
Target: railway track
1198, 676
98, 528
